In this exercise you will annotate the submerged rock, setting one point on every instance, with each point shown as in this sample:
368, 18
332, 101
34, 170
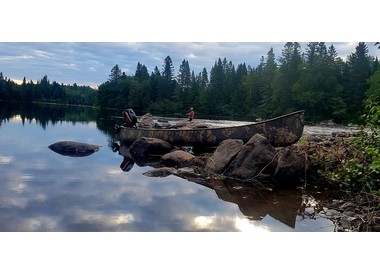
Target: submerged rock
179, 159
145, 146
74, 149
160, 172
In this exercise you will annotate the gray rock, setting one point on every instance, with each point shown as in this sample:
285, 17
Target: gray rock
144, 146
348, 206
74, 149
333, 214
178, 159
223, 155
290, 167
256, 156
160, 172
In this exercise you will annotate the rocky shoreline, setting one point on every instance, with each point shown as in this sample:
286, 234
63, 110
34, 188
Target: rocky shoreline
266, 168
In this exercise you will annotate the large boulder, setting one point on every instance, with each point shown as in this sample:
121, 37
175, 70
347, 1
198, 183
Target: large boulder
291, 166
179, 159
223, 155
74, 149
257, 158
145, 146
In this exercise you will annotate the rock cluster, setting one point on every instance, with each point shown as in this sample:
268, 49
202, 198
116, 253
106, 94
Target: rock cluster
262, 166
256, 161
354, 216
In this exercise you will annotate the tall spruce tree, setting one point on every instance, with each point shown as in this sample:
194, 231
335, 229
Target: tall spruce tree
168, 71
268, 71
216, 86
285, 77
115, 76
359, 71
184, 76
141, 73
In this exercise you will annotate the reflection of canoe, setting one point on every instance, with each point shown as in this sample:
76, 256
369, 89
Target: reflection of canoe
281, 131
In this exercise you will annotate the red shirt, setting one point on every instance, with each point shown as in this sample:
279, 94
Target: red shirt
191, 114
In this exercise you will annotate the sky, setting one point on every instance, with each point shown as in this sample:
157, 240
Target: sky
90, 63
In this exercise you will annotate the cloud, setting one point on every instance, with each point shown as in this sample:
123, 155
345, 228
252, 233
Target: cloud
90, 63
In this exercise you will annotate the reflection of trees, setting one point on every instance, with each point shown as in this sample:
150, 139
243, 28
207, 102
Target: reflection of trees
45, 113
105, 120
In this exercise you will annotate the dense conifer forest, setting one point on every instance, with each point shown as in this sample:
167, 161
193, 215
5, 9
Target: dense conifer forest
314, 79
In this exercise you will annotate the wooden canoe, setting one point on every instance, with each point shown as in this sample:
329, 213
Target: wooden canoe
280, 131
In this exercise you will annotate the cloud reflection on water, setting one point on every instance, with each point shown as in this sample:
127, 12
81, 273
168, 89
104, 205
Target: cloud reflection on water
44, 191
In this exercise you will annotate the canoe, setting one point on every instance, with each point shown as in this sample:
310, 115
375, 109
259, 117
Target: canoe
280, 131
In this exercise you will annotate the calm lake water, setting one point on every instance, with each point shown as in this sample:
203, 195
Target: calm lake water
41, 190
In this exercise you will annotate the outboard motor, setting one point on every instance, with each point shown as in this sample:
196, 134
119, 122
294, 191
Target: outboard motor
131, 118
127, 164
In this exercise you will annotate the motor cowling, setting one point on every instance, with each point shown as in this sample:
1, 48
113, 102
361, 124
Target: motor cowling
131, 118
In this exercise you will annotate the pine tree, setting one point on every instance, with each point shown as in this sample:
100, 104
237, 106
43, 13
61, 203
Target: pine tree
332, 52
311, 52
115, 76
359, 71
317, 89
168, 71
184, 77
268, 71
285, 78
204, 78
216, 86
141, 73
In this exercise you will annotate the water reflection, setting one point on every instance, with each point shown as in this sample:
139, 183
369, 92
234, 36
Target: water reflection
255, 204
43, 191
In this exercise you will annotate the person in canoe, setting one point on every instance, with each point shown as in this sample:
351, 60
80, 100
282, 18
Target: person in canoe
191, 114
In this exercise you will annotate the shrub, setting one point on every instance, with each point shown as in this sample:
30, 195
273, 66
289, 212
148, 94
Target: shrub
362, 169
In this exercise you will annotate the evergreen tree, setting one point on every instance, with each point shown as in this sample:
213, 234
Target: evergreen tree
115, 76
204, 78
156, 85
359, 71
216, 87
317, 89
168, 71
141, 73
311, 52
168, 79
239, 93
332, 52
285, 78
184, 77
268, 71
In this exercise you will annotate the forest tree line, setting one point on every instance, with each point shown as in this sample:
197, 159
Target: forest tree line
46, 91
316, 80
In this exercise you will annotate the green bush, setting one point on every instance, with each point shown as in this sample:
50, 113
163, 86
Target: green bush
362, 169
